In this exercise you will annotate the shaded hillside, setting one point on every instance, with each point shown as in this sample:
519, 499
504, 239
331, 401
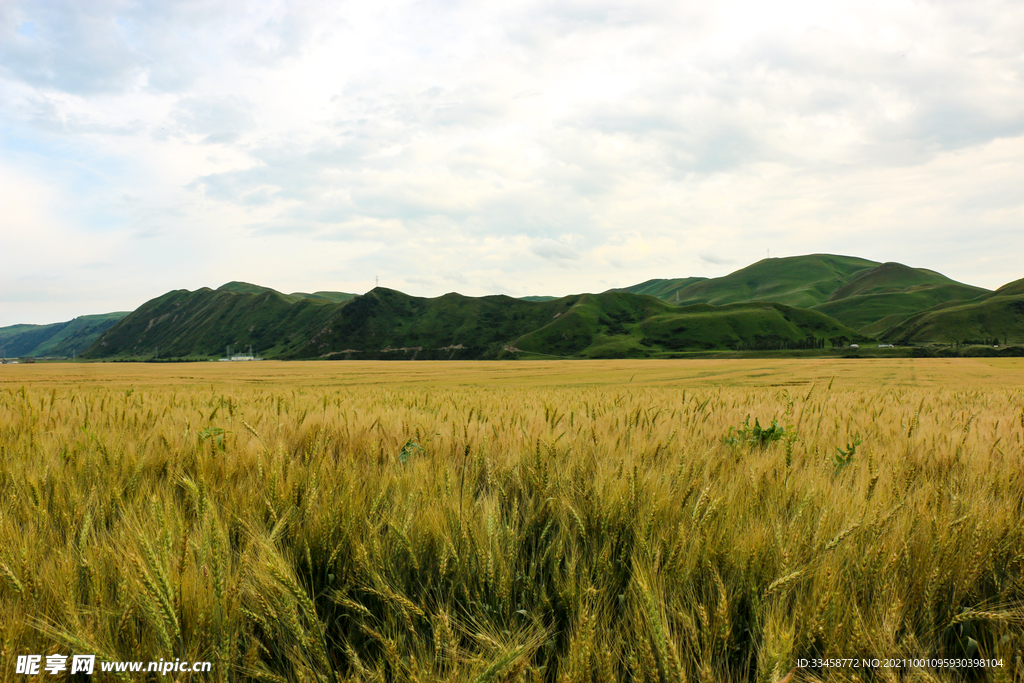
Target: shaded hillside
802, 302
857, 292
893, 292
595, 326
802, 281
664, 289
203, 323
246, 288
57, 340
745, 326
891, 277
391, 325
1010, 289
998, 315
385, 323
333, 297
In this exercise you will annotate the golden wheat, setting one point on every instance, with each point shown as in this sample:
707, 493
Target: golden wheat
460, 522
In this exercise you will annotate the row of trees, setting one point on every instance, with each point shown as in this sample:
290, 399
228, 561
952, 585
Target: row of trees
775, 343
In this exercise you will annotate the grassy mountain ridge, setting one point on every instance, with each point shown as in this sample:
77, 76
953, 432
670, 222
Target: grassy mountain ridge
204, 322
995, 315
754, 325
857, 292
889, 277
894, 292
596, 326
802, 281
236, 287
802, 302
1010, 288
59, 340
385, 323
332, 297
664, 289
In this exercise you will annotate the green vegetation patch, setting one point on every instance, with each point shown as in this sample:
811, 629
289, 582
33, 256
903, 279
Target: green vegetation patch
59, 340
755, 326
803, 281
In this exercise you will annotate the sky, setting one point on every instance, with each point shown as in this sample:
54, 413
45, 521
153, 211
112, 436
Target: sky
518, 148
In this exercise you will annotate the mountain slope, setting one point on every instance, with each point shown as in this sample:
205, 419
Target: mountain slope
247, 288
857, 292
332, 297
802, 281
891, 277
998, 315
595, 326
58, 340
1010, 288
204, 322
784, 303
664, 289
748, 325
388, 324
385, 323
893, 292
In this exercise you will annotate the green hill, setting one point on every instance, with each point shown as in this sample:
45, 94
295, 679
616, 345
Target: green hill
385, 323
595, 326
244, 288
57, 340
802, 281
996, 315
890, 277
247, 288
388, 324
893, 292
617, 324
332, 297
664, 289
857, 292
205, 322
747, 326
783, 303
1010, 289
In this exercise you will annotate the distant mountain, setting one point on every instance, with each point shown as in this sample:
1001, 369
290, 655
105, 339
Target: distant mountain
802, 281
868, 296
385, 323
783, 303
664, 289
995, 315
205, 322
1010, 289
246, 288
749, 325
893, 292
333, 297
57, 340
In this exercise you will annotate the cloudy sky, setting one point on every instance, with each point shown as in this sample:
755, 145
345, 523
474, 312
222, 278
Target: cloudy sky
496, 147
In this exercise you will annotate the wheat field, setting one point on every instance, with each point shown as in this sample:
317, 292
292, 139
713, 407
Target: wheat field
558, 522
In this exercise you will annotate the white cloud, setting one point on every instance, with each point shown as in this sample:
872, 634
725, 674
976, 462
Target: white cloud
526, 148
